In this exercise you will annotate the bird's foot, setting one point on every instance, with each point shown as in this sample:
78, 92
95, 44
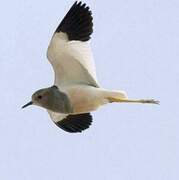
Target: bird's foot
150, 101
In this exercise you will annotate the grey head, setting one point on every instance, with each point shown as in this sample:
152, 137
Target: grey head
51, 99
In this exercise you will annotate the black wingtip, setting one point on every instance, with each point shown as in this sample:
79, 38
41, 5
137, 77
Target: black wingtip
75, 123
77, 23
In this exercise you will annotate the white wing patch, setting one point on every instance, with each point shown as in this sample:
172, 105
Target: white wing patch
82, 52
56, 117
72, 61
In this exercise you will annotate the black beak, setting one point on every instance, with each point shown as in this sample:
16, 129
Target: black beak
28, 104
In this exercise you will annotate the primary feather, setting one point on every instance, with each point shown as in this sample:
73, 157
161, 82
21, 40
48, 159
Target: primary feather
69, 51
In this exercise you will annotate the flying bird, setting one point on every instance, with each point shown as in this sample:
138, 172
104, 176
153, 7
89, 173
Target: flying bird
76, 91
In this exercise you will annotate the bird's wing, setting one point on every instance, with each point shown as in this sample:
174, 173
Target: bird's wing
71, 123
69, 51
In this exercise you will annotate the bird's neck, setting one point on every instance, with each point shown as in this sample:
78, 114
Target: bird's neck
59, 102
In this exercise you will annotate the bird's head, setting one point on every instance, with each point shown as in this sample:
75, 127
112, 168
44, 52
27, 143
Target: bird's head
39, 98
52, 99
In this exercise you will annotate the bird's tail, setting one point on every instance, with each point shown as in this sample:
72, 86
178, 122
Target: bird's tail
121, 96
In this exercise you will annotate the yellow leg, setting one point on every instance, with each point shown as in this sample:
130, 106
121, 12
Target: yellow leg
147, 101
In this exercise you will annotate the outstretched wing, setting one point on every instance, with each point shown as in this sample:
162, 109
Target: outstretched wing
72, 123
69, 51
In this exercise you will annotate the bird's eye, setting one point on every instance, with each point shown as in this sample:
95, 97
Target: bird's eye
39, 97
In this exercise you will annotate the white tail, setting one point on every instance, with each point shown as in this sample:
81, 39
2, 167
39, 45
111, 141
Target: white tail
117, 94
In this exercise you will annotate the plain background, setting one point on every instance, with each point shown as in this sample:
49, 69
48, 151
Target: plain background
136, 48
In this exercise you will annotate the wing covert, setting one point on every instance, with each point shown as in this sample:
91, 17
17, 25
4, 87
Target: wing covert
69, 51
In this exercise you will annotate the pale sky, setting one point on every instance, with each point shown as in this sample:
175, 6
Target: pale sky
136, 48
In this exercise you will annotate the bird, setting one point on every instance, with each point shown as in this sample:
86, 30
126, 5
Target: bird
76, 91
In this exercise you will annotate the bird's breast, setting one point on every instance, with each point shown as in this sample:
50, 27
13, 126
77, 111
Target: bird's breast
84, 98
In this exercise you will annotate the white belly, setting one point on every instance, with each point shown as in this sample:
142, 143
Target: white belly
85, 98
